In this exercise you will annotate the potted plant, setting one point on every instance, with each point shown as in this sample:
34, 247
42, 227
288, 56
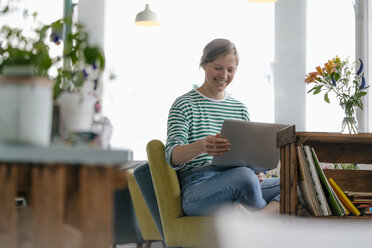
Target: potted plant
77, 75
78, 78
25, 88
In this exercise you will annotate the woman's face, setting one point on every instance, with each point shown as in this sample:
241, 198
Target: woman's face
219, 73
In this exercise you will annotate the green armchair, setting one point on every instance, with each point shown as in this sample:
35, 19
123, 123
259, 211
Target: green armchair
179, 230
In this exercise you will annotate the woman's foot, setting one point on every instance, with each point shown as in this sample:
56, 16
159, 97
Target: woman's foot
241, 210
273, 208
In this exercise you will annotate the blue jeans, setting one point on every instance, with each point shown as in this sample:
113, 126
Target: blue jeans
204, 192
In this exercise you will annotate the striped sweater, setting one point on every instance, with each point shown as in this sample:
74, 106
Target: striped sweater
194, 116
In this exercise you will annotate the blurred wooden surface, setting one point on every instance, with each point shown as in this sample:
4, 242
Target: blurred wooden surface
67, 206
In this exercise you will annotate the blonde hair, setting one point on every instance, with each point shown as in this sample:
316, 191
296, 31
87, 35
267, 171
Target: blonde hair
217, 48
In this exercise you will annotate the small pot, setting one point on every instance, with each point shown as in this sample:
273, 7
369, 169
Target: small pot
26, 107
76, 112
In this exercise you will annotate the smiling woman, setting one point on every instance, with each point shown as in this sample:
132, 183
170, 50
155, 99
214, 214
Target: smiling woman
219, 75
219, 71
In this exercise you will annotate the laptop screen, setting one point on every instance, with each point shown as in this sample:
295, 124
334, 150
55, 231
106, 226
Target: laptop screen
253, 144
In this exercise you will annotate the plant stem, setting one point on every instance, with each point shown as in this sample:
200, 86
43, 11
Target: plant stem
68, 12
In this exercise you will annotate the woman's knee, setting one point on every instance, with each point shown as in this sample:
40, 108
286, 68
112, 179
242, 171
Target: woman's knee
244, 181
271, 189
245, 177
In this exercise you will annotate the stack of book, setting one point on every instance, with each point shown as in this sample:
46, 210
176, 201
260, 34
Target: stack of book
321, 196
362, 201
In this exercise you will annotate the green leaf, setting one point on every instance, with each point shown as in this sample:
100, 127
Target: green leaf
57, 25
360, 105
326, 97
91, 54
311, 90
79, 79
362, 93
5, 10
337, 76
316, 91
101, 59
57, 90
74, 57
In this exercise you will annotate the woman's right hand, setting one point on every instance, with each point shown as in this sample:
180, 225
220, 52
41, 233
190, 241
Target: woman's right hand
212, 145
215, 145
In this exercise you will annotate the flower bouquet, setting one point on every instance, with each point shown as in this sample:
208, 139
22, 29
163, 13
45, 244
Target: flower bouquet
339, 77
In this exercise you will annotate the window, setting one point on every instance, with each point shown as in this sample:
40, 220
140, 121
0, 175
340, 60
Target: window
155, 65
330, 32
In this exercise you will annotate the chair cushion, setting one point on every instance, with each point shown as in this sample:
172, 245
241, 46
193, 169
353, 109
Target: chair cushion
126, 229
143, 178
147, 225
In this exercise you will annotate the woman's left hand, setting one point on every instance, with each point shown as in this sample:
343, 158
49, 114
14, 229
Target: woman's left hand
215, 145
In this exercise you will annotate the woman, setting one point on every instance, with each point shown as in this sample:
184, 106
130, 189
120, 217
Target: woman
194, 122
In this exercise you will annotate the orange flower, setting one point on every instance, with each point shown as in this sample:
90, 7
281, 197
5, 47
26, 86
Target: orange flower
330, 67
319, 69
308, 79
311, 77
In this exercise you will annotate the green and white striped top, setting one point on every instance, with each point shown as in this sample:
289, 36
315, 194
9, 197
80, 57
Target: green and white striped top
194, 116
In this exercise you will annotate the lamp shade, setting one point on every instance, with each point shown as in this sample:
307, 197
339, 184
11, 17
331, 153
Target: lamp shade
147, 17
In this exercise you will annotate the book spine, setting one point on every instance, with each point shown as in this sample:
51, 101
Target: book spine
347, 211
334, 201
306, 185
314, 175
344, 199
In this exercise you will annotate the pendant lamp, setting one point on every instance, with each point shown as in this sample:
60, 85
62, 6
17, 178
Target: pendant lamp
147, 17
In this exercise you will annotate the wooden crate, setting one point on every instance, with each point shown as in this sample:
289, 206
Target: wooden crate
330, 148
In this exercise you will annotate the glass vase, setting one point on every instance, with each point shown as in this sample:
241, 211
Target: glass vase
350, 124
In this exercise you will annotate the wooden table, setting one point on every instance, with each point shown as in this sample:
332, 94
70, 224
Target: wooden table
69, 196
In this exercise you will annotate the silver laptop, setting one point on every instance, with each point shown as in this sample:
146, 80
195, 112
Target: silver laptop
253, 144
